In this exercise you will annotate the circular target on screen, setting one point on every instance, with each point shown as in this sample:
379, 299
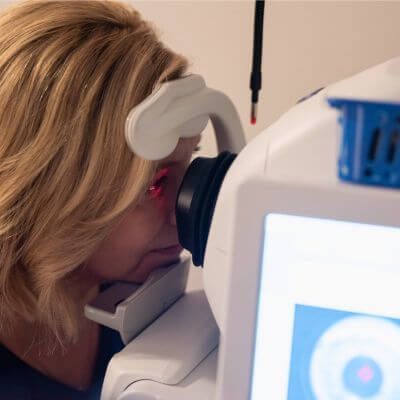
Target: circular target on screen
357, 358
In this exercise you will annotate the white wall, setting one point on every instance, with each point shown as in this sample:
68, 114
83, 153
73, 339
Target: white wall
306, 45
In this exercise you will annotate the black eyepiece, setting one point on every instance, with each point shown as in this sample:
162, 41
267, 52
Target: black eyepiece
196, 201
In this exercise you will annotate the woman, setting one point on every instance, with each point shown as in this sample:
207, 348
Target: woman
77, 207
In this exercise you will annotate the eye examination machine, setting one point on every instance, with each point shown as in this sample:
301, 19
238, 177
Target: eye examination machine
298, 235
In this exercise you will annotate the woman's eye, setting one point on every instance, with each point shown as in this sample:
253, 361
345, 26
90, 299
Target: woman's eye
157, 187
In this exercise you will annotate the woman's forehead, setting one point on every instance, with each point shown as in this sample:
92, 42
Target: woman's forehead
183, 150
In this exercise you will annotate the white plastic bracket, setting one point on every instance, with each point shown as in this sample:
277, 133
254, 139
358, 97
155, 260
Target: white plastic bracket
181, 109
129, 308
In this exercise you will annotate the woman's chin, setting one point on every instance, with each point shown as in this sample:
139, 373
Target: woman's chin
151, 262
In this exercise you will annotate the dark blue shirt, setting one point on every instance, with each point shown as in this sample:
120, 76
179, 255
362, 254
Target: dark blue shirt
19, 381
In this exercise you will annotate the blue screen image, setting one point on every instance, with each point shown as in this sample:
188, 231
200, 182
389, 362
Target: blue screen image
339, 355
328, 316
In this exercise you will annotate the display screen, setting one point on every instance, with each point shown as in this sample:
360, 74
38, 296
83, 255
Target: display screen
328, 317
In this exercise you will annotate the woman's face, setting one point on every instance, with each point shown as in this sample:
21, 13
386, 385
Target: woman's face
146, 238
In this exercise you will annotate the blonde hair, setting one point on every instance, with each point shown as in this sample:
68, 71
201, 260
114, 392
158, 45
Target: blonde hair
70, 72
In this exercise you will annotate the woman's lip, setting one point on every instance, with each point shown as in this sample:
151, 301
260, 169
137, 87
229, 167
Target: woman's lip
170, 250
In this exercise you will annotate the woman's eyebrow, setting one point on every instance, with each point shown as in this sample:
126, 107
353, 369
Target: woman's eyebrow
169, 164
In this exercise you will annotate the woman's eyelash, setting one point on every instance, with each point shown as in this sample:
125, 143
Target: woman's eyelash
197, 149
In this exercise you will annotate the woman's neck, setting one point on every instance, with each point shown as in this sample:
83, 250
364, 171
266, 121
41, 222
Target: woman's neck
72, 365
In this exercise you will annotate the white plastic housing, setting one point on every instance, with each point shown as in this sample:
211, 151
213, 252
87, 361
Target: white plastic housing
300, 147
383, 86
168, 350
198, 385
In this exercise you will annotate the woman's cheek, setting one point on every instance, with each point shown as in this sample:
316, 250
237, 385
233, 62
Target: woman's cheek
163, 205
